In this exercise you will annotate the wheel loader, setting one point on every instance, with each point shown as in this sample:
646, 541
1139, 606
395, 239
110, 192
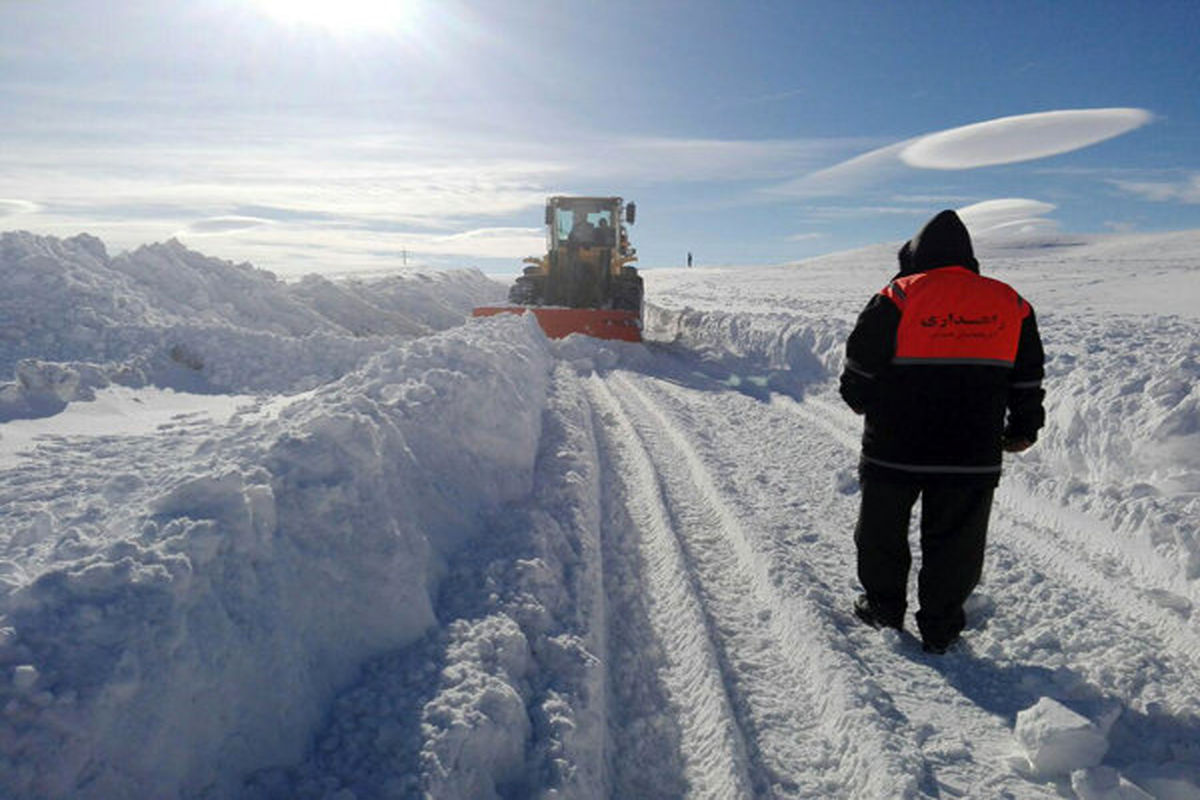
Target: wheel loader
583, 284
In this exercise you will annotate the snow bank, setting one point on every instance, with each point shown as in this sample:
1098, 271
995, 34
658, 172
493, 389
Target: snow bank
774, 352
167, 316
509, 689
207, 639
1122, 439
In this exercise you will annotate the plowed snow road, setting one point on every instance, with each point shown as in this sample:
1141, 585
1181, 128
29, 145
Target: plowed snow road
709, 572
735, 514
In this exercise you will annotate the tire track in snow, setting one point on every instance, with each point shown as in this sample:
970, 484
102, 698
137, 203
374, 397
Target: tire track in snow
1063, 560
1096, 565
812, 719
894, 679
711, 743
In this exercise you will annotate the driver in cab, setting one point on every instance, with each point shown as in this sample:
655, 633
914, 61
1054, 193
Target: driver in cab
583, 232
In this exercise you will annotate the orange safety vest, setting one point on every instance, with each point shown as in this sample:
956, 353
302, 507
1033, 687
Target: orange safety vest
951, 315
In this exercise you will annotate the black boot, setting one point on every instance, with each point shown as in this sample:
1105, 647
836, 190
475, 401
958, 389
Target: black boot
875, 616
938, 648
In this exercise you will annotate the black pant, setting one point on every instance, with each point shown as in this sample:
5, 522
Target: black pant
954, 521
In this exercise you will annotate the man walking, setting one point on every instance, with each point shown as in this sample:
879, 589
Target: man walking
947, 367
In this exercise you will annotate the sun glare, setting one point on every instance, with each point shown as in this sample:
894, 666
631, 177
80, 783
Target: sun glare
341, 16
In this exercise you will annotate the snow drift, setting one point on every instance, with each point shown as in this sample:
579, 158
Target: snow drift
166, 316
391, 551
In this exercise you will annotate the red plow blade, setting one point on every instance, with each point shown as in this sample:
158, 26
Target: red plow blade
599, 323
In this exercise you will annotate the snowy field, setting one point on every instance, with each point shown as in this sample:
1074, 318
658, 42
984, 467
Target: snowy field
332, 539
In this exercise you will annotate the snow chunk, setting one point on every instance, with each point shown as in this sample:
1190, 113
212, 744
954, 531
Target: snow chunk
1174, 780
1105, 783
44, 388
24, 677
1057, 740
477, 724
12, 576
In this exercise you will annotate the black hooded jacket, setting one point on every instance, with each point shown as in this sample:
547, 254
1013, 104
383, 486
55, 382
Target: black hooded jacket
945, 363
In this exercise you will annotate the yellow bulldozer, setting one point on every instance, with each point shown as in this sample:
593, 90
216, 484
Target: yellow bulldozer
584, 283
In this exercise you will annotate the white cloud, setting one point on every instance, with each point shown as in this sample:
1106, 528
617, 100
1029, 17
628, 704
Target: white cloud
806, 237
666, 159
930, 199
12, 208
515, 243
1029, 231
357, 197
434, 184
1009, 220
1184, 191
294, 248
850, 175
999, 141
219, 225
981, 217
1025, 137
836, 213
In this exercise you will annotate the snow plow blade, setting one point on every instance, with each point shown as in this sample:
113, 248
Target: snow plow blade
599, 323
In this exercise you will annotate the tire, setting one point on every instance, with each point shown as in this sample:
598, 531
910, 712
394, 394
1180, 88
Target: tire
526, 291
627, 291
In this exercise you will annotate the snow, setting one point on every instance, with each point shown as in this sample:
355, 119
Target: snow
116, 411
1105, 783
335, 539
1057, 740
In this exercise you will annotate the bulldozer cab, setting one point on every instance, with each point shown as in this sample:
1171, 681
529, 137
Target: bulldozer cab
586, 222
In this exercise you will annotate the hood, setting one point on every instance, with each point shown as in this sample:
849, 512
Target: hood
943, 242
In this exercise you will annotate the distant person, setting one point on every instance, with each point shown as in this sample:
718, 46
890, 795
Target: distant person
689, 258
947, 367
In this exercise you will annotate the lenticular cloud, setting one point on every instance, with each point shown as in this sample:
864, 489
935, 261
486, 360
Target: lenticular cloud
1010, 221
1021, 138
997, 213
214, 225
1006, 140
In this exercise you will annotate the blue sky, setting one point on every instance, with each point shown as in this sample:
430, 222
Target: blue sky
331, 136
